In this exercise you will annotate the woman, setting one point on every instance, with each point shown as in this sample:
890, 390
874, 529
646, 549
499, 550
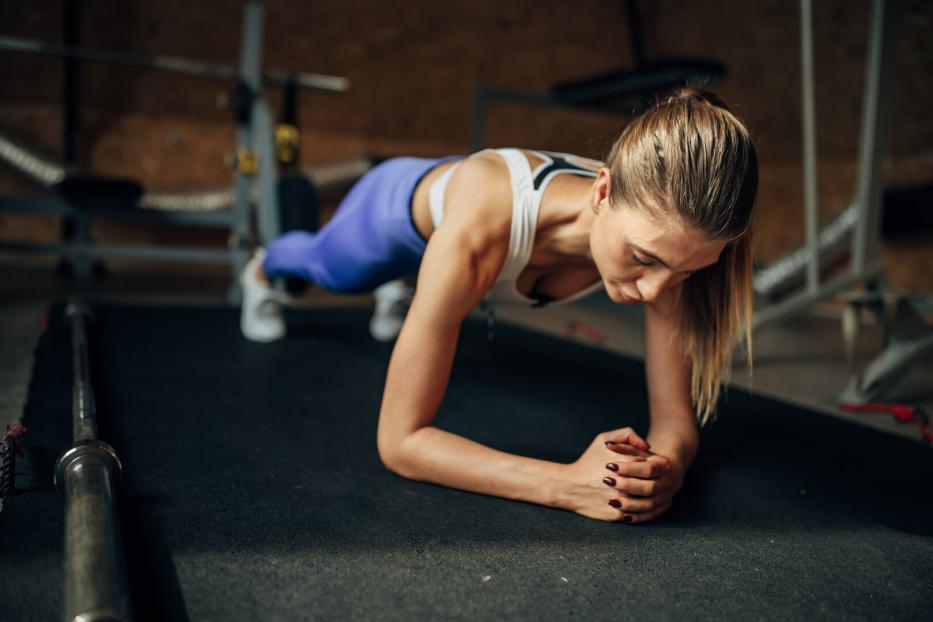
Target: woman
665, 223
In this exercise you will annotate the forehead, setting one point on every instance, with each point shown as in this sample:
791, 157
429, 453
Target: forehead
678, 245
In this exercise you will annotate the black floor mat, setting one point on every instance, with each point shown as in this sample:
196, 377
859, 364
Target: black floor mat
253, 488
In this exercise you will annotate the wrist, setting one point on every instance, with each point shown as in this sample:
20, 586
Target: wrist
679, 446
555, 485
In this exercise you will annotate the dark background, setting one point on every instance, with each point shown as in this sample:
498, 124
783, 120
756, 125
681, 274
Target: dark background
414, 66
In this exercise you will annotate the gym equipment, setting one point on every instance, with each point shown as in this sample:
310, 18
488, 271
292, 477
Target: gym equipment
256, 188
907, 335
864, 266
297, 197
901, 414
254, 491
616, 92
87, 475
9, 446
789, 272
326, 84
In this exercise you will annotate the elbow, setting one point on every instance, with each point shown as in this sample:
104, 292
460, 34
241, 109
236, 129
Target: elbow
392, 454
388, 456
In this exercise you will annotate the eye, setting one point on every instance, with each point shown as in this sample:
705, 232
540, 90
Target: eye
640, 262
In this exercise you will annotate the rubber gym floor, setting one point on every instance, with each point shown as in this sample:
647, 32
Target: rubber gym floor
254, 491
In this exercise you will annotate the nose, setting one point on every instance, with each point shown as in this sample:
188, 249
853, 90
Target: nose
650, 286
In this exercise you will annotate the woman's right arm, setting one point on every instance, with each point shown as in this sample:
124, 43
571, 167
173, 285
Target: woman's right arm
462, 261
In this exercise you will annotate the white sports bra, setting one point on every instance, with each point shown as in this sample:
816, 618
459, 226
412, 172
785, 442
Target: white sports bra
528, 188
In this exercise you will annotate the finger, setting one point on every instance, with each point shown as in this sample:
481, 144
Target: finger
626, 449
643, 517
640, 505
633, 468
623, 506
640, 487
628, 435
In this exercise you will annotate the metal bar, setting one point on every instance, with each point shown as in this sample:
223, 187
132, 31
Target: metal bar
483, 95
263, 133
788, 271
478, 131
635, 32
166, 253
811, 224
796, 305
250, 52
80, 239
873, 135
42, 206
212, 219
316, 82
70, 84
261, 125
84, 410
95, 572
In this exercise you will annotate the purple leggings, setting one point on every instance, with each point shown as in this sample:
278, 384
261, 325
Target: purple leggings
371, 238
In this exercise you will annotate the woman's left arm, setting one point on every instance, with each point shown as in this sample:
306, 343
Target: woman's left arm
673, 431
673, 437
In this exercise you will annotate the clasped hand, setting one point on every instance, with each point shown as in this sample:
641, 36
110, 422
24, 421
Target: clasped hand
619, 478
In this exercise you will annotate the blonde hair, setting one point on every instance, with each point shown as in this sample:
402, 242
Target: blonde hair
690, 154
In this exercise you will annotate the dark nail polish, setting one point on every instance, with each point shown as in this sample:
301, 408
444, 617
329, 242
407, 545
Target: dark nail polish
608, 481
615, 503
627, 518
612, 466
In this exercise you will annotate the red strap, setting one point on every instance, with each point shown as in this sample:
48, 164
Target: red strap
902, 414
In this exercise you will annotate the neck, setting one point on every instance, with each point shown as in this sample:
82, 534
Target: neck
566, 221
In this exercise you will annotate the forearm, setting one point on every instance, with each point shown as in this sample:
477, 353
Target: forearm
433, 455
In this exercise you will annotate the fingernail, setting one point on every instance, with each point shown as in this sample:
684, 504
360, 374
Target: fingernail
608, 481
627, 518
615, 503
612, 466
608, 442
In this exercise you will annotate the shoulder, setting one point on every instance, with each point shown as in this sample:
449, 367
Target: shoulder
481, 176
478, 199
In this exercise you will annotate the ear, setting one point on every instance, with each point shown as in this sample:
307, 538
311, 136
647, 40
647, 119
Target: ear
599, 193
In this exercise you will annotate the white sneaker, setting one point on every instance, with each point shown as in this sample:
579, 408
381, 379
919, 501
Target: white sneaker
261, 310
392, 302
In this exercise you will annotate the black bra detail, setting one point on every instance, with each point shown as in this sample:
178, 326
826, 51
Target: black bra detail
559, 163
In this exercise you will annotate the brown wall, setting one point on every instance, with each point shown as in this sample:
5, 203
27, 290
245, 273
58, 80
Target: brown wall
414, 66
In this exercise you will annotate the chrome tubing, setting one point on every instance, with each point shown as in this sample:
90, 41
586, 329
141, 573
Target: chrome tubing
86, 474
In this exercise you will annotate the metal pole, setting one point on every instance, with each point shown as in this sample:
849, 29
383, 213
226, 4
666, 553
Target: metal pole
873, 136
317, 82
70, 84
811, 224
95, 575
477, 133
249, 77
261, 125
